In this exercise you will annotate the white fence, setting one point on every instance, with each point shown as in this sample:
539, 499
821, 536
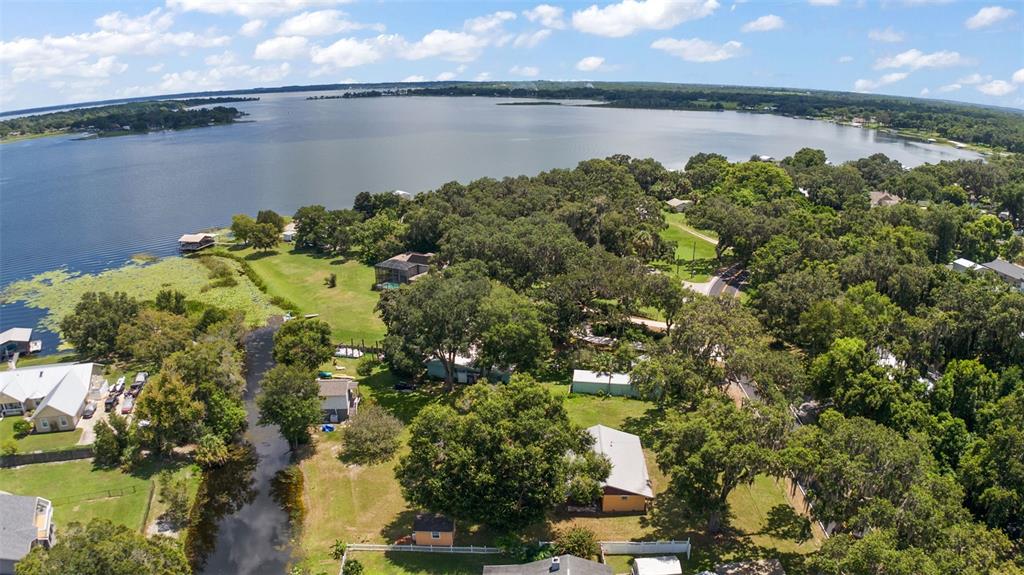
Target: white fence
646, 547
475, 549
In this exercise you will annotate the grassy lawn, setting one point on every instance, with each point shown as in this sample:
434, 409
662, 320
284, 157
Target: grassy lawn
695, 256
53, 441
300, 277
364, 503
404, 563
80, 492
50, 359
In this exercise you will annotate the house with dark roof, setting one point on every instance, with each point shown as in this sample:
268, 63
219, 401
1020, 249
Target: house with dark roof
433, 529
25, 522
1009, 272
562, 565
338, 398
401, 269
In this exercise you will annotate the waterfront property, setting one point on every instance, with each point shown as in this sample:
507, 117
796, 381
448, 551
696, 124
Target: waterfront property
195, 242
401, 269
25, 522
596, 382
338, 398
628, 487
56, 393
433, 529
567, 564
18, 341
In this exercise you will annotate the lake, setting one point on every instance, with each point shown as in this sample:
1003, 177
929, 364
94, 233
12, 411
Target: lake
90, 205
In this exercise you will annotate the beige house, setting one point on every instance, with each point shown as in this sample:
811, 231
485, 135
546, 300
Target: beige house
56, 394
628, 487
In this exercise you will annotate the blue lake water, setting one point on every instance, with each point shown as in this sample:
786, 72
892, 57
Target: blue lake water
90, 205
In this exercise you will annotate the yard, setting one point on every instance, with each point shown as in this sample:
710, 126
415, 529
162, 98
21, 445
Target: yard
364, 503
81, 492
53, 441
695, 256
301, 278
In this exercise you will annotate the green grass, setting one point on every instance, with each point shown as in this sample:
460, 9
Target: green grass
300, 277
53, 441
59, 291
406, 563
695, 256
50, 359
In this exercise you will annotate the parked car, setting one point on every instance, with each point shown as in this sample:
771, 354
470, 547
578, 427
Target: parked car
128, 405
404, 386
118, 388
141, 377
90, 409
110, 403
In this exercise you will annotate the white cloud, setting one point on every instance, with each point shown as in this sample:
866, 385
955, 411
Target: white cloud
155, 68
864, 85
445, 76
988, 16
321, 23
845, 59
529, 40
950, 87
925, 91
250, 8
629, 16
765, 23
915, 59
281, 48
225, 59
482, 77
697, 50
350, 52
823, 2
219, 77
414, 78
549, 16
488, 24
454, 46
997, 88
527, 71
590, 64
886, 35
155, 20
974, 78
1018, 76
252, 27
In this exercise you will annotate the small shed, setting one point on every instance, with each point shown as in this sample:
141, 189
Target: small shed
595, 382
195, 242
338, 398
963, 265
433, 529
667, 565
289, 232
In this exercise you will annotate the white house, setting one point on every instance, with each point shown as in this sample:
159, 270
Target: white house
57, 393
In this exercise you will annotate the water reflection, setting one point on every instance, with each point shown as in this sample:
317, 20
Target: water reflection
224, 490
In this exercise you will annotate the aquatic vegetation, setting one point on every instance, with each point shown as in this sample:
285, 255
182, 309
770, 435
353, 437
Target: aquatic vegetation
57, 291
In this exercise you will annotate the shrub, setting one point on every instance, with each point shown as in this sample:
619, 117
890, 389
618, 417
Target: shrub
8, 447
338, 549
366, 365
174, 495
332, 280
578, 541
211, 451
22, 427
353, 567
372, 435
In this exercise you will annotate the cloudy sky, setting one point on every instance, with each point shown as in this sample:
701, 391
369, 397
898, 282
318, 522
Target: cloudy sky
56, 52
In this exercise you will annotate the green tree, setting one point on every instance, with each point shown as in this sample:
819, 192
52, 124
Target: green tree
242, 227
173, 494
153, 335
173, 414
991, 468
665, 294
372, 435
576, 540
353, 567
171, 301
103, 548
964, 388
93, 327
501, 457
512, 332
211, 451
303, 342
709, 452
290, 399
270, 217
264, 237
982, 238
378, 238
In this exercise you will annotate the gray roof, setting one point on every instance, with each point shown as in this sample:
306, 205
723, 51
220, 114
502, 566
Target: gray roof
17, 526
406, 261
336, 387
1006, 268
567, 565
18, 334
432, 522
629, 467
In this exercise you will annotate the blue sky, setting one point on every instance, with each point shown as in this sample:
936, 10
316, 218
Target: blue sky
55, 52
